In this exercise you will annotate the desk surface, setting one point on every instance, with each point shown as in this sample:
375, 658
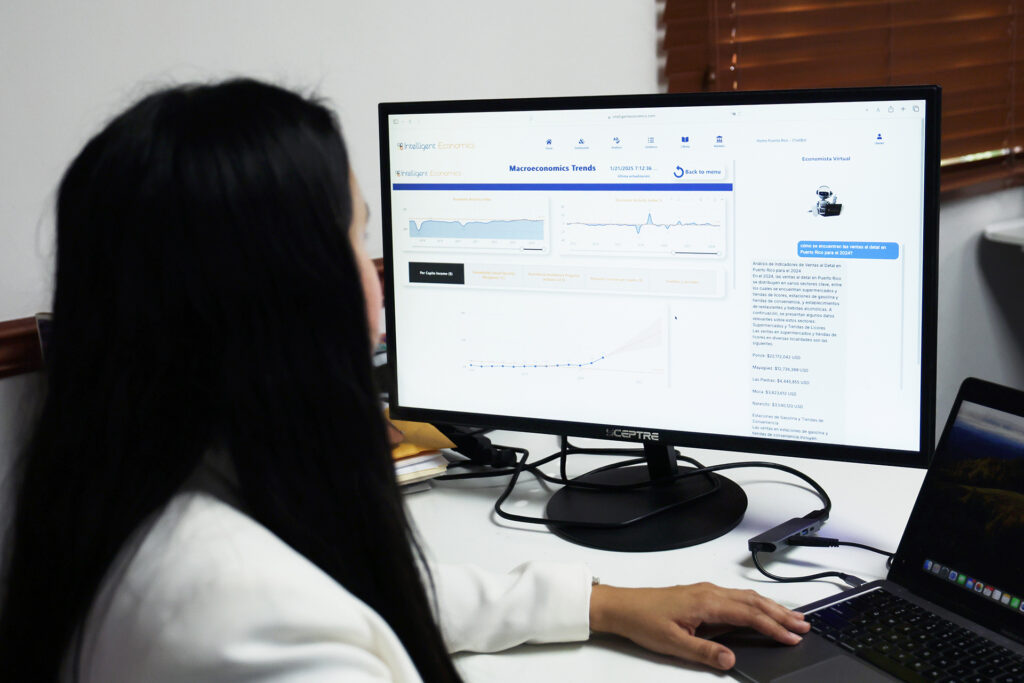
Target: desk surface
870, 504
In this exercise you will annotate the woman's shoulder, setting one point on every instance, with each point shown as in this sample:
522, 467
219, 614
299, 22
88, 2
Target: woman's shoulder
202, 547
199, 543
207, 593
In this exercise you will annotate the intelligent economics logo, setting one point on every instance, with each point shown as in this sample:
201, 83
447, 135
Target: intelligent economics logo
427, 146
416, 146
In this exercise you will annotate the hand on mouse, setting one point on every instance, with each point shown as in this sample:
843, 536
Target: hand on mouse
666, 620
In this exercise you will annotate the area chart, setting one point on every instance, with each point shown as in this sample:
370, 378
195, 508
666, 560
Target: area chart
518, 229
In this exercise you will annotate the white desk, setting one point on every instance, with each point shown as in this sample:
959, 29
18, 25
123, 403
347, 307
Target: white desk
870, 504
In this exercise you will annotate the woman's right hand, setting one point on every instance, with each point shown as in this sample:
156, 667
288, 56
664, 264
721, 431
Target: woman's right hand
667, 620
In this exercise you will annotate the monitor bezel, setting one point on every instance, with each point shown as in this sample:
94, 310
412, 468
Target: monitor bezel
920, 458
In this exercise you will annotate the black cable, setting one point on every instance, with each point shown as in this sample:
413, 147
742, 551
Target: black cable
534, 469
563, 480
866, 547
567, 448
477, 430
888, 556
849, 579
822, 542
542, 520
698, 469
493, 472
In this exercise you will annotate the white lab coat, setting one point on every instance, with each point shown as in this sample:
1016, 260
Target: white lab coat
205, 593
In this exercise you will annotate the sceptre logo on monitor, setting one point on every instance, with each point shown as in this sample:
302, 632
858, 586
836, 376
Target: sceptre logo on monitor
620, 433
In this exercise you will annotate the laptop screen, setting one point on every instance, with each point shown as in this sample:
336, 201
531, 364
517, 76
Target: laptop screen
964, 544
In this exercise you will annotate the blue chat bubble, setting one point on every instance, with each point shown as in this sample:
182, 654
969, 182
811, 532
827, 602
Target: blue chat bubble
838, 249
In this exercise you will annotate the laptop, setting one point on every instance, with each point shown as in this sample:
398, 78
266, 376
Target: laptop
952, 605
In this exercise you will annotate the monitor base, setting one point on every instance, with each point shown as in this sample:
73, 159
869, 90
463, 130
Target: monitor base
710, 510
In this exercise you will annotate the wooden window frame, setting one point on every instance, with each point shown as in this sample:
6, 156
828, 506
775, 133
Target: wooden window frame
19, 347
715, 45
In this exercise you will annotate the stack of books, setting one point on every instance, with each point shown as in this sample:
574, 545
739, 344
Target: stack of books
416, 468
416, 450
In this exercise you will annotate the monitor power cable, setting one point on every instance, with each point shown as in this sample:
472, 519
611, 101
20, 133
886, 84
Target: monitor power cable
803, 526
697, 469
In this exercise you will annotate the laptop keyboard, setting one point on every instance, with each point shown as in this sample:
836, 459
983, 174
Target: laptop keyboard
912, 643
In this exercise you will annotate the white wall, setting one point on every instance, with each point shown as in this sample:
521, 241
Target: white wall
981, 297
66, 66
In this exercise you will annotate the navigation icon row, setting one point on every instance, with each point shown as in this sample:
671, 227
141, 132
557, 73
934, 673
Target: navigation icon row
616, 141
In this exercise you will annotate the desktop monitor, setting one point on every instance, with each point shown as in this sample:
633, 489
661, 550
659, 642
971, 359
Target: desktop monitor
747, 271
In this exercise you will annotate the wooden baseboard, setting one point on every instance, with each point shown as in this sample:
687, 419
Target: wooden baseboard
19, 347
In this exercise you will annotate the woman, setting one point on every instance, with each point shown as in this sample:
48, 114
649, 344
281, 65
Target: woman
208, 494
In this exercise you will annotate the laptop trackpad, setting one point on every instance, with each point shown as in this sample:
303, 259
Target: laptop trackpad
838, 669
761, 659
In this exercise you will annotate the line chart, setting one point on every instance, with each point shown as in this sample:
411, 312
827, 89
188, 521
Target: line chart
639, 227
649, 223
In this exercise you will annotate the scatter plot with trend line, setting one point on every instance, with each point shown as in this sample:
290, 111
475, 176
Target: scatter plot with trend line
636, 352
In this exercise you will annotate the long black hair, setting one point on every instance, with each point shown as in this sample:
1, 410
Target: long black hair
208, 297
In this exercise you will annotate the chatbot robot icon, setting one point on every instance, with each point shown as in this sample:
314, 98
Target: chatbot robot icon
827, 204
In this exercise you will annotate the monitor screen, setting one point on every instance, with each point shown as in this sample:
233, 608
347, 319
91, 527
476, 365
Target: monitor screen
750, 271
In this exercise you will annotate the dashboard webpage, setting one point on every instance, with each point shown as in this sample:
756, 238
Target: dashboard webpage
745, 270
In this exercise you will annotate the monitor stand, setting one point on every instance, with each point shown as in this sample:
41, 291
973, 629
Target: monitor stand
687, 511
